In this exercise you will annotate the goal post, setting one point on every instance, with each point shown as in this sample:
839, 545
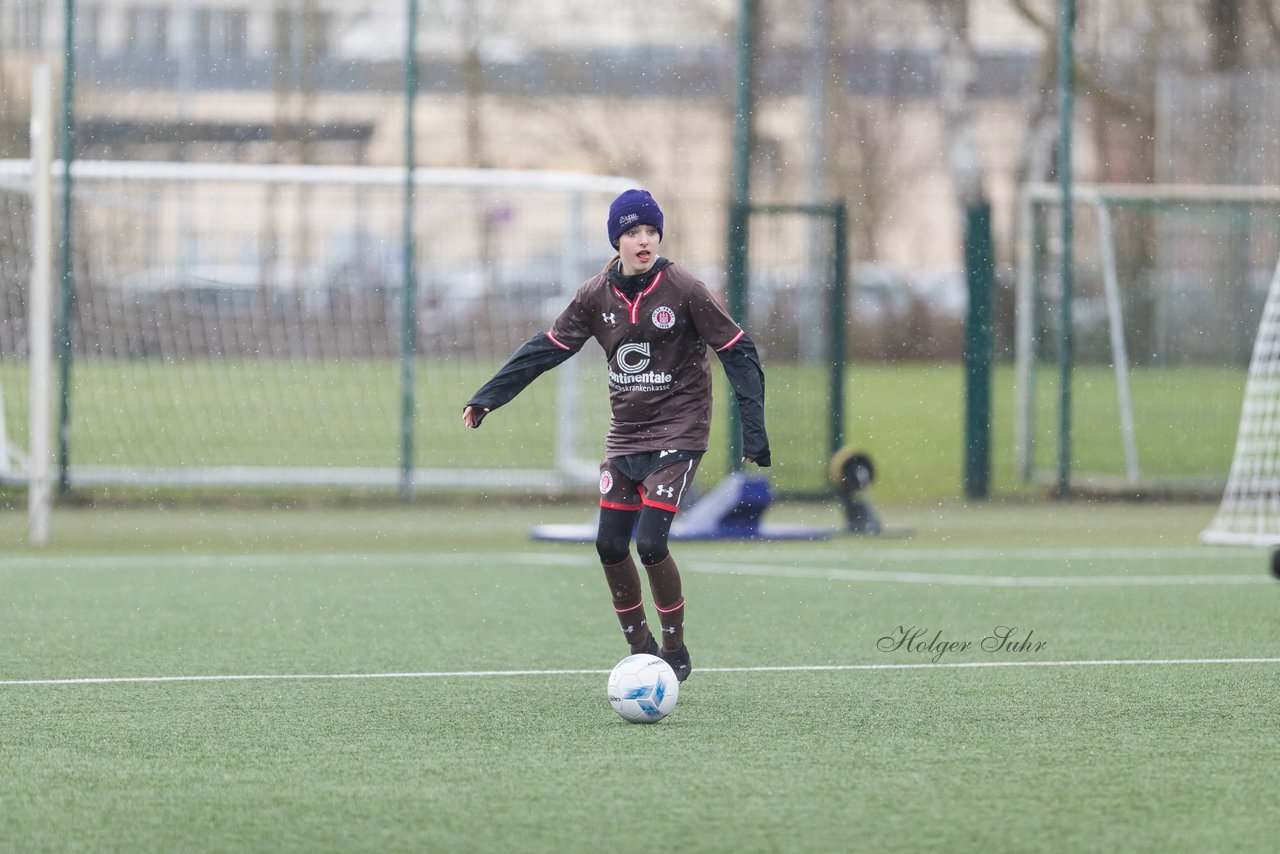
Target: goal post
40, 311
1249, 513
240, 325
1170, 283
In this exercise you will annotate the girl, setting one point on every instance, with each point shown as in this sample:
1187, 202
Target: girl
654, 321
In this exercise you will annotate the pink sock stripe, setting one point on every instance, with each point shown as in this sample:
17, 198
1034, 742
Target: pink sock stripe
674, 607
639, 604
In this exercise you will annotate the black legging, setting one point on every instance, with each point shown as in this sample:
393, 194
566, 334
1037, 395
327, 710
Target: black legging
613, 539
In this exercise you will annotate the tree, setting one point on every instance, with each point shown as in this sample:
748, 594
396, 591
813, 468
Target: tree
1117, 84
865, 154
955, 96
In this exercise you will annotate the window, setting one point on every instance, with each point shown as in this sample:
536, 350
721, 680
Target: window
147, 31
88, 24
222, 33
302, 34
20, 26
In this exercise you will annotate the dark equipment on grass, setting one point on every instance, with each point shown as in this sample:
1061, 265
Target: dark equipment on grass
852, 472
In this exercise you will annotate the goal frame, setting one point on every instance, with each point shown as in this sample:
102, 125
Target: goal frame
1101, 198
570, 470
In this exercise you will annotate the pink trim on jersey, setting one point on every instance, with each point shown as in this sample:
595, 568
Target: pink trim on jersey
614, 505
553, 340
674, 607
735, 340
633, 308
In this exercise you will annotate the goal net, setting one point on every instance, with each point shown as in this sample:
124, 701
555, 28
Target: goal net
241, 325
1250, 510
1169, 287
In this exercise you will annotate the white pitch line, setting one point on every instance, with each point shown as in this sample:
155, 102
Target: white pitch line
798, 668
293, 677
976, 665
945, 579
584, 556
275, 562
248, 561
1033, 553
986, 555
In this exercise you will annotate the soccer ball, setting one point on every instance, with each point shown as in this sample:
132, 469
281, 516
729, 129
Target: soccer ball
643, 689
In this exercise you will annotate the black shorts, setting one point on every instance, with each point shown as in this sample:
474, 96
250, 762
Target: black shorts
659, 479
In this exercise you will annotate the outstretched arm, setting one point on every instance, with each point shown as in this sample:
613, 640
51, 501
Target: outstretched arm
742, 366
536, 356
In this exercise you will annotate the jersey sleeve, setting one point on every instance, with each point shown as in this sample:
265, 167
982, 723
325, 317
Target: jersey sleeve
742, 367
572, 328
710, 319
535, 357
538, 355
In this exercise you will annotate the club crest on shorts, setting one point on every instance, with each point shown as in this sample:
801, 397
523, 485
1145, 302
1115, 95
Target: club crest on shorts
663, 317
606, 482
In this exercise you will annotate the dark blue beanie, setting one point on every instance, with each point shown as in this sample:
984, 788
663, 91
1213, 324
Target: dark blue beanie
633, 208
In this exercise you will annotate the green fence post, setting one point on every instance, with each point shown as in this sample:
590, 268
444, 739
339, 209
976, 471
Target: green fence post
980, 274
836, 331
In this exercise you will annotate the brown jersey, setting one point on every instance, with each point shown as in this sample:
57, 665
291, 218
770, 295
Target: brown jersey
656, 348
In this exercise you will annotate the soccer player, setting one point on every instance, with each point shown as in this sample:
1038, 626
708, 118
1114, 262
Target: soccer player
654, 321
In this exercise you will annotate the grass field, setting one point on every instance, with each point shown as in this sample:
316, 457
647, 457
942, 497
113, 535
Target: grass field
909, 417
428, 679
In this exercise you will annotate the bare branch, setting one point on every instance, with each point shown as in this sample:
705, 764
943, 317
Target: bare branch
956, 83
1272, 20
1086, 82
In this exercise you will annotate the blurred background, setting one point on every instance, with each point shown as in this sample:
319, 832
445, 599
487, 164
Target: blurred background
259, 188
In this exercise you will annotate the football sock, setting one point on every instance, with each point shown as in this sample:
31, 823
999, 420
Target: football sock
664, 580
628, 601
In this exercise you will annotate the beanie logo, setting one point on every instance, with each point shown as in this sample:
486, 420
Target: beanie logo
627, 219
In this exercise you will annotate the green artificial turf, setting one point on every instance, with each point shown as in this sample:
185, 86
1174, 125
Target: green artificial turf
428, 679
